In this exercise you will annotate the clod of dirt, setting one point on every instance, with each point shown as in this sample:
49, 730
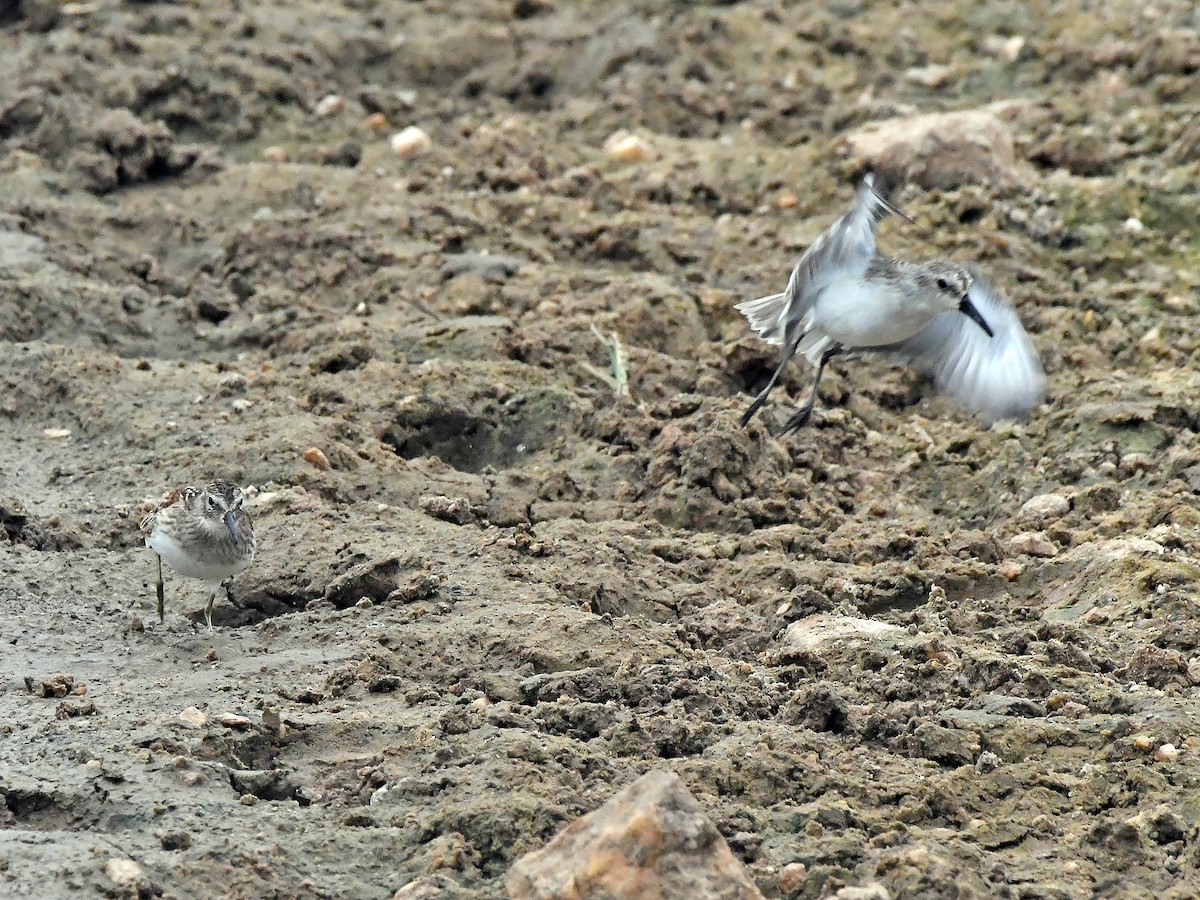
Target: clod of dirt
435, 887
54, 686
375, 579
449, 509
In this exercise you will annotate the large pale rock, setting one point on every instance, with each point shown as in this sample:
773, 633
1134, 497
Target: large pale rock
824, 633
936, 150
651, 840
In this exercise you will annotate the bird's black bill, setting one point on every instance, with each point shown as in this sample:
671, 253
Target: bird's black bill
231, 523
967, 308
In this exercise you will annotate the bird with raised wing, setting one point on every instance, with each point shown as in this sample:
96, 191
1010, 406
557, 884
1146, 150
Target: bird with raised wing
844, 297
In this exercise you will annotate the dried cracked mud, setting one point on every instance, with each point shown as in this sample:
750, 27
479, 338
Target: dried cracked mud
513, 590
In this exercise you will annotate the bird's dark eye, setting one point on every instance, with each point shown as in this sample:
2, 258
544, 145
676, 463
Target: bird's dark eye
943, 284
212, 502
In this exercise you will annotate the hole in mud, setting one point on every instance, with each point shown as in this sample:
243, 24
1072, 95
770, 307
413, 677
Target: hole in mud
246, 606
899, 599
971, 215
37, 810
502, 436
25, 804
753, 375
268, 784
343, 358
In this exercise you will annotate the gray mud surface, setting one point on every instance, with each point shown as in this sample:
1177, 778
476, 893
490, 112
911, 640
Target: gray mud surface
512, 592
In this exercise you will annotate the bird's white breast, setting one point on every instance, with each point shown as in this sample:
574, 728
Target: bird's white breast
189, 564
861, 312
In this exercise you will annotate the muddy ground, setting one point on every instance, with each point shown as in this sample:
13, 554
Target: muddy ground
514, 591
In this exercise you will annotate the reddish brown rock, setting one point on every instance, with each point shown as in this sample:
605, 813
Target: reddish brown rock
651, 840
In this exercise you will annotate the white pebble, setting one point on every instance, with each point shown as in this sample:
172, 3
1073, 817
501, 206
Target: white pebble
1134, 225
1045, 508
412, 141
330, 105
192, 717
1007, 48
1167, 753
124, 872
627, 147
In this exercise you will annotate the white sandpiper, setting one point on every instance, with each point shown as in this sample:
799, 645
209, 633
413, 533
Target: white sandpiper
844, 297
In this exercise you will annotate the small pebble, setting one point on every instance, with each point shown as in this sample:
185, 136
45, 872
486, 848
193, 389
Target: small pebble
1045, 508
192, 717
787, 201
233, 720
275, 154
316, 457
792, 878
124, 873
412, 141
56, 434
1007, 48
378, 121
330, 105
1011, 571
1143, 742
1167, 753
931, 76
629, 148
1032, 543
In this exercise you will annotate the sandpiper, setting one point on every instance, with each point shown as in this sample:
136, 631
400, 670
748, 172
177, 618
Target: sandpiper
845, 297
203, 533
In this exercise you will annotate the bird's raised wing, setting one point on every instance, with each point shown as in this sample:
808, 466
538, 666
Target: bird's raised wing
996, 377
842, 250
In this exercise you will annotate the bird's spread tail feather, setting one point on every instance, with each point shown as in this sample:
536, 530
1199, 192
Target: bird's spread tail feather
765, 316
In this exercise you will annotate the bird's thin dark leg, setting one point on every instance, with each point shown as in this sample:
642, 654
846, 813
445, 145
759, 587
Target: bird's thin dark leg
158, 589
762, 395
805, 411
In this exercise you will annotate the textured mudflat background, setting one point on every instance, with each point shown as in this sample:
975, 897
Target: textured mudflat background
200, 275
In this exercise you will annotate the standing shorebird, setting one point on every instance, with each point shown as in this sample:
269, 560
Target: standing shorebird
202, 533
844, 297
